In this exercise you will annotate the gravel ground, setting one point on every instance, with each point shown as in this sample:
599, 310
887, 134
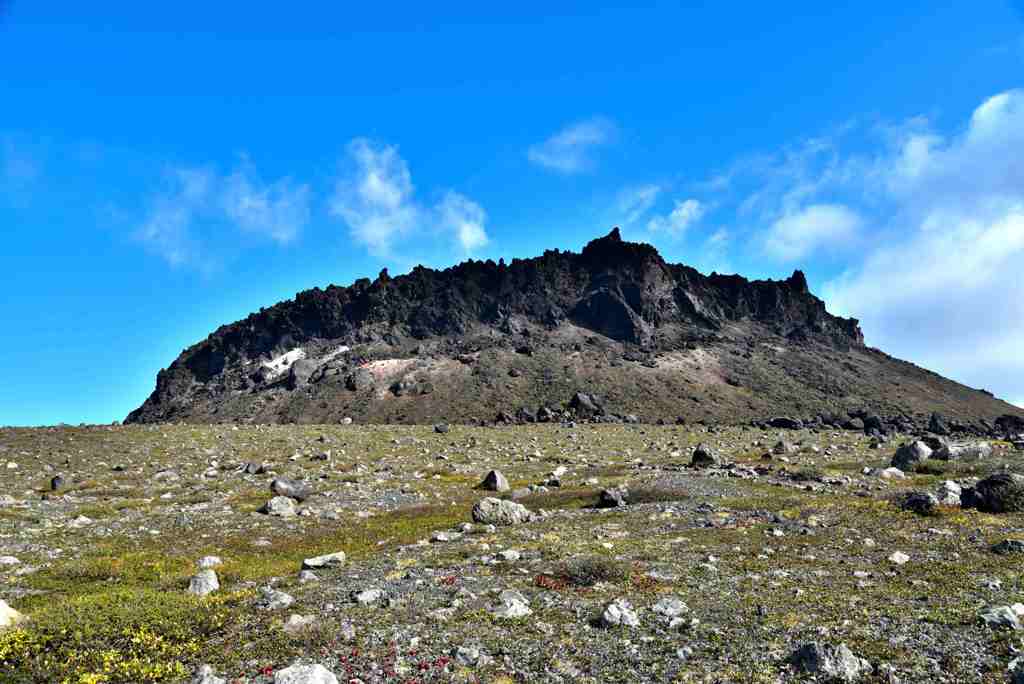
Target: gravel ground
717, 574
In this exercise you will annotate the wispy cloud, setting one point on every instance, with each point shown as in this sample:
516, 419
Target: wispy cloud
375, 196
633, 203
376, 199
196, 202
685, 213
800, 233
571, 149
277, 210
465, 219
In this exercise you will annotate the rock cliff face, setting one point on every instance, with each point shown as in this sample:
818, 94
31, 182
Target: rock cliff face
616, 322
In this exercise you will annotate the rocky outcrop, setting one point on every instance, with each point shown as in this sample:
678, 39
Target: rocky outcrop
610, 332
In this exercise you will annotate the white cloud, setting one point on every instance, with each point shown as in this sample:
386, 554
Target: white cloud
682, 217
278, 210
465, 218
570, 150
635, 202
197, 203
800, 233
376, 199
942, 282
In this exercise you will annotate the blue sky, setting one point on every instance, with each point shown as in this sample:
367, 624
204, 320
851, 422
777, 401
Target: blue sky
167, 169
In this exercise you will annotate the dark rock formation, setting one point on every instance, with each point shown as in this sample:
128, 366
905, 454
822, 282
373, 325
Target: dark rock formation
611, 332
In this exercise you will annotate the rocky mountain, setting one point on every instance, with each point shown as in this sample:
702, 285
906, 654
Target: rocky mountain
612, 333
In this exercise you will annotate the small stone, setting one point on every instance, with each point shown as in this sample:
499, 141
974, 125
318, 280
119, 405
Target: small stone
307, 576
305, 674
512, 605
367, 596
1000, 617
293, 489
206, 675
443, 536
296, 624
669, 607
619, 613
467, 655
272, 599
892, 474
280, 507
898, 558
209, 562
327, 561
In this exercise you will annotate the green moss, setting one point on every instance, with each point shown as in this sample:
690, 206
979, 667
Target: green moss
118, 636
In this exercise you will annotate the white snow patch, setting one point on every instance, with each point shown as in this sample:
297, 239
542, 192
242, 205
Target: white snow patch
282, 363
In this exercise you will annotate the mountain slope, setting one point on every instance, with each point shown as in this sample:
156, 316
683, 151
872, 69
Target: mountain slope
613, 330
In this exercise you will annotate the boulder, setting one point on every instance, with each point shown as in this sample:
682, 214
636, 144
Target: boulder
999, 493
293, 489
279, 506
491, 511
1009, 547
704, 457
963, 452
204, 583
586, 404
494, 481
8, 616
836, 663
921, 503
326, 561
949, 493
783, 423
300, 373
909, 455
937, 425
613, 497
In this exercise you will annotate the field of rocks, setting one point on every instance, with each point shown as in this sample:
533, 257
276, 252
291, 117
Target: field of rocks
541, 553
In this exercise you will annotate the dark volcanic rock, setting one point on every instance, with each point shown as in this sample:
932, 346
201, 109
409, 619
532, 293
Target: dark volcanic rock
999, 493
704, 457
637, 336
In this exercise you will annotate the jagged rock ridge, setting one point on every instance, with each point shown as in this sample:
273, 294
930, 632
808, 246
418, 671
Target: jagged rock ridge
634, 333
